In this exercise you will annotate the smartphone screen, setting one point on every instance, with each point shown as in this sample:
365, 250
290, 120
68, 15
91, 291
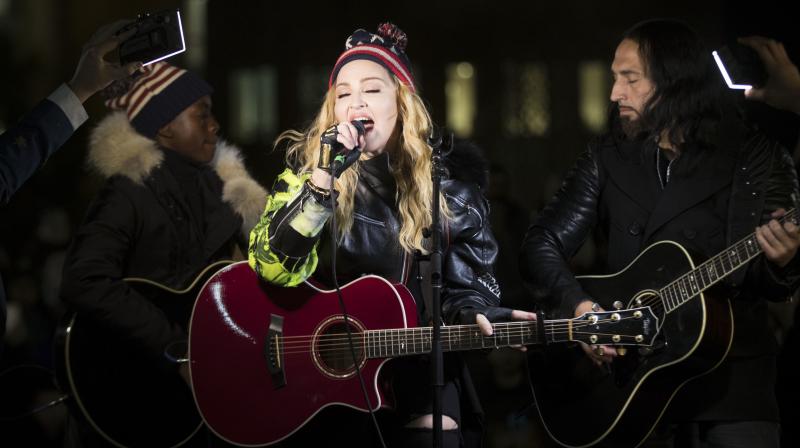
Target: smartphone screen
740, 66
175, 49
726, 75
158, 36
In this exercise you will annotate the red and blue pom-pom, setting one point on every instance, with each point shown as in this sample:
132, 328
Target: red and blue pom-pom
394, 34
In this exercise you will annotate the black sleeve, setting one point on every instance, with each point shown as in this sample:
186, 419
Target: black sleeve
765, 279
468, 262
94, 269
556, 235
26, 146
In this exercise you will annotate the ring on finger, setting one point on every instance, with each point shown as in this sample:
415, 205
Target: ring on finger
599, 351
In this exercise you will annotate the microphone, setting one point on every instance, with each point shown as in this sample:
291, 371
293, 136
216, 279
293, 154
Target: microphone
344, 160
359, 125
329, 137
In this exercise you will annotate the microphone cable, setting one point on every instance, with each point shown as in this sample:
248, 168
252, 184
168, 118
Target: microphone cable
334, 245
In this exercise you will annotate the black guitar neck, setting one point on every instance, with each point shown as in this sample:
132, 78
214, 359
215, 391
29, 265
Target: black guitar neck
714, 270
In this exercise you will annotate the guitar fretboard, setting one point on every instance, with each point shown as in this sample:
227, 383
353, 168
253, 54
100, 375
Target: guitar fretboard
714, 269
415, 341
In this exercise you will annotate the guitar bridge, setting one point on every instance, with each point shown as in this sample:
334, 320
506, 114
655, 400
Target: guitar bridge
273, 351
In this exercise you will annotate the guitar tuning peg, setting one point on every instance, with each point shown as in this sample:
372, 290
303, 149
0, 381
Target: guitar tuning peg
617, 305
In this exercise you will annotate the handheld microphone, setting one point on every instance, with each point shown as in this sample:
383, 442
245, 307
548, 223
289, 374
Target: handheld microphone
359, 125
329, 138
346, 159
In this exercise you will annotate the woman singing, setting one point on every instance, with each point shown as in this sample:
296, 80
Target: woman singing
383, 204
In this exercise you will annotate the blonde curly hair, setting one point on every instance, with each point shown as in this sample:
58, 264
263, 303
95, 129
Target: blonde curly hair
410, 162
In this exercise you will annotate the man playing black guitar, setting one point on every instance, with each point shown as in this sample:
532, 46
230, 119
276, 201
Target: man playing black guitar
161, 216
676, 166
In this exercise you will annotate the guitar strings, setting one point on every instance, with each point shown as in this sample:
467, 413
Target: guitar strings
332, 342
381, 352
559, 324
508, 328
711, 269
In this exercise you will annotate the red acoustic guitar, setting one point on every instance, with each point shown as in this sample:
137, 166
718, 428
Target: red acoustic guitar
265, 359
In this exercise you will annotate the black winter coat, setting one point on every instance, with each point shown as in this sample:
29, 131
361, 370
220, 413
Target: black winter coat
143, 225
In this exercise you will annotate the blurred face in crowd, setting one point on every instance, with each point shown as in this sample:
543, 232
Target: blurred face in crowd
366, 91
193, 133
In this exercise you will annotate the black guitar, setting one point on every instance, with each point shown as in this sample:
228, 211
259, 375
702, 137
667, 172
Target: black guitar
582, 405
121, 395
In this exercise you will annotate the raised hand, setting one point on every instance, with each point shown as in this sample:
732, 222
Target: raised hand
95, 71
782, 89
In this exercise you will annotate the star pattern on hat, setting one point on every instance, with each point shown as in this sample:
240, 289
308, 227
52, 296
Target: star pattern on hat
386, 47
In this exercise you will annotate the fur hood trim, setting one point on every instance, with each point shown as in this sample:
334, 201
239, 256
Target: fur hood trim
246, 196
115, 148
467, 162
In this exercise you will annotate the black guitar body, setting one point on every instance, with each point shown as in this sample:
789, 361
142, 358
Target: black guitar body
581, 404
127, 398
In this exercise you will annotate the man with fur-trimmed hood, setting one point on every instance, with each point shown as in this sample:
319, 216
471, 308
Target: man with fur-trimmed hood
176, 199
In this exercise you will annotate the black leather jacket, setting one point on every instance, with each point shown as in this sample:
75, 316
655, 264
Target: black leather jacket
614, 191
607, 191
372, 247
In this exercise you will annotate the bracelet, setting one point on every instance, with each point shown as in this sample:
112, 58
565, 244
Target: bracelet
317, 190
321, 195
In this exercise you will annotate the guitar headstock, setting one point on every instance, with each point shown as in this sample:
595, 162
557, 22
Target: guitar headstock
634, 326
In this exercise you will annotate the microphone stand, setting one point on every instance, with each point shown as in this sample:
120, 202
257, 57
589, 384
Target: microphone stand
437, 372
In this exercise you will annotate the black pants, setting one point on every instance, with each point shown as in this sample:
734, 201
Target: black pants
410, 380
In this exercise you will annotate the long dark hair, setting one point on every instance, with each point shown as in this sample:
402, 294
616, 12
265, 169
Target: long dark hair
687, 98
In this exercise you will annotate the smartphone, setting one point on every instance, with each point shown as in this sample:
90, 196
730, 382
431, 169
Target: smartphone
740, 66
157, 37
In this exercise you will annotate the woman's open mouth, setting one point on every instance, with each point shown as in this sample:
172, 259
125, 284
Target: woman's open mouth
368, 123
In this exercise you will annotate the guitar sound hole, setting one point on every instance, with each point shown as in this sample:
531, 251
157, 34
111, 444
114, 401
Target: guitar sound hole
332, 350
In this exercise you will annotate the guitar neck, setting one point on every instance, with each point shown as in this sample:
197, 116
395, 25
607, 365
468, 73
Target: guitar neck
416, 341
714, 270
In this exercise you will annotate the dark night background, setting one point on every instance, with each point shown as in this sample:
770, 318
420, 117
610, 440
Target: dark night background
527, 81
